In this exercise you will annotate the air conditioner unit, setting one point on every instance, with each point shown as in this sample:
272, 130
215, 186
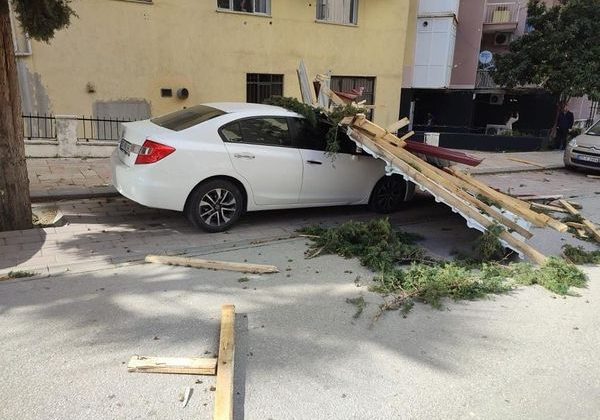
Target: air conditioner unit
496, 99
502, 38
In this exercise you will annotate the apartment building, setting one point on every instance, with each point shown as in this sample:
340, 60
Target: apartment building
135, 58
447, 85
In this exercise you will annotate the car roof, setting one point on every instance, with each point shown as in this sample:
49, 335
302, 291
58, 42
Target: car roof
246, 108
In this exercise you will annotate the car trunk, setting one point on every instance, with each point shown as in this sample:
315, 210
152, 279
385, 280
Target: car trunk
134, 136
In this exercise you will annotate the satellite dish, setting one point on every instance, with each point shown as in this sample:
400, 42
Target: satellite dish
485, 57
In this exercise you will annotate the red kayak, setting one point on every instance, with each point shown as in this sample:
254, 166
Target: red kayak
441, 153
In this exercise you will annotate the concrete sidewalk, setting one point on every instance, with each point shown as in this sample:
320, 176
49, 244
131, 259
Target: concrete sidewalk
57, 178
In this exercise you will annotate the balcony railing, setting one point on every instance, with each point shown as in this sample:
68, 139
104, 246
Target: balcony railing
484, 80
501, 13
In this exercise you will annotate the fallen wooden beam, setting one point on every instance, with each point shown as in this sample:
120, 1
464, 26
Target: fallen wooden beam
225, 362
528, 162
441, 178
212, 264
593, 176
529, 197
548, 208
575, 225
447, 196
398, 125
180, 365
512, 204
590, 227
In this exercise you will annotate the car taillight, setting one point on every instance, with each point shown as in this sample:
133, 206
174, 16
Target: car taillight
152, 152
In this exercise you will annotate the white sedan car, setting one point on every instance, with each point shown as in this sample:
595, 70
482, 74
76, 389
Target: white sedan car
216, 161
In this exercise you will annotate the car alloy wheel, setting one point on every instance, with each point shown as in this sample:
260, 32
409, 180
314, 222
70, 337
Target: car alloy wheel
217, 207
388, 194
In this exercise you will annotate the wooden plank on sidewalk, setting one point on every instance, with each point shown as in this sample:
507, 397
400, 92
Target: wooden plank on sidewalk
528, 162
225, 363
180, 365
212, 264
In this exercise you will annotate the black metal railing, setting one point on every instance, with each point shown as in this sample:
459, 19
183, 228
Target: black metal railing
100, 129
39, 127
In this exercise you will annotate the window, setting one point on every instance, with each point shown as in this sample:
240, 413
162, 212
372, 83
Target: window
315, 138
246, 6
268, 131
349, 83
338, 11
186, 118
262, 86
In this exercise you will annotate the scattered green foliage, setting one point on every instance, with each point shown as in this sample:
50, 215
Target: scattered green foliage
331, 117
382, 249
20, 274
335, 116
360, 304
488, 246
486, 200
575, 218
243, 279
375, 243
294, 105
578, 255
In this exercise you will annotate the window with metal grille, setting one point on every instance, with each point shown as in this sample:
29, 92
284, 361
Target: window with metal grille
262, 7
351, 84
262, 86
338, 11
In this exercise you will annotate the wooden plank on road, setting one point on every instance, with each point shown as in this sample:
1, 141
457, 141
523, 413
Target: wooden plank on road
181, 365
212, 264
225, 365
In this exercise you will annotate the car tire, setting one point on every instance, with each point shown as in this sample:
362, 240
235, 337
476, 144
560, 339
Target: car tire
215, 206
388, 194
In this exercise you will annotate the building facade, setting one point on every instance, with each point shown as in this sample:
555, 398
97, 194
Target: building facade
136, 58
447, 85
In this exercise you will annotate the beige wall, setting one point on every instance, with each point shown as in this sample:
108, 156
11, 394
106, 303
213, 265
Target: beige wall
130, 50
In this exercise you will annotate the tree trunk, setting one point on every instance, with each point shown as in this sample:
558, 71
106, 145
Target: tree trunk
15, 203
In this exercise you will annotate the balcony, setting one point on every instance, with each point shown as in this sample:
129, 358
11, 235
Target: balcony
501, 17
484, 80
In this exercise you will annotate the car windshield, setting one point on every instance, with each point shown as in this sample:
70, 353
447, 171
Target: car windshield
595, 129
186, 118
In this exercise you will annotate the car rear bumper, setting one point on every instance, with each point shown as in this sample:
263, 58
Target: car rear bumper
144, 185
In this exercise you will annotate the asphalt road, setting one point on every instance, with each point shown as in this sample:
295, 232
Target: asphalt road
64, 342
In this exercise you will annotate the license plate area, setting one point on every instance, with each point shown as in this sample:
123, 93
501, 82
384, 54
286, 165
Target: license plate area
586, 158
125, 147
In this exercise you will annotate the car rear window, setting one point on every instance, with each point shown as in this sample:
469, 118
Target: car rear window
186, 118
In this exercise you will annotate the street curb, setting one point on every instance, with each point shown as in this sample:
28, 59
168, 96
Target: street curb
45, 198
493, 171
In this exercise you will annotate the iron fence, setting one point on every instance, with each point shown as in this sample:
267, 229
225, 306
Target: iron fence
39, 127
100, 129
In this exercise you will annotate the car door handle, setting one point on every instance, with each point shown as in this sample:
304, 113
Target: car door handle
314, 162
244, 155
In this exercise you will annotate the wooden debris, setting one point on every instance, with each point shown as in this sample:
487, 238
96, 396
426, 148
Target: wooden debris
529, 197
593, 176
576, 225
179, 365
590, 227
528, 162
224, 393
446, 195
212, 264
548, 208
398, 125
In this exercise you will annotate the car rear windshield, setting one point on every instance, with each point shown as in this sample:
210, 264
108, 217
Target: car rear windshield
595, 129
186, 118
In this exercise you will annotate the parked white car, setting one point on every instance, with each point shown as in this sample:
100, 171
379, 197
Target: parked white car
216, 161
584, 150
